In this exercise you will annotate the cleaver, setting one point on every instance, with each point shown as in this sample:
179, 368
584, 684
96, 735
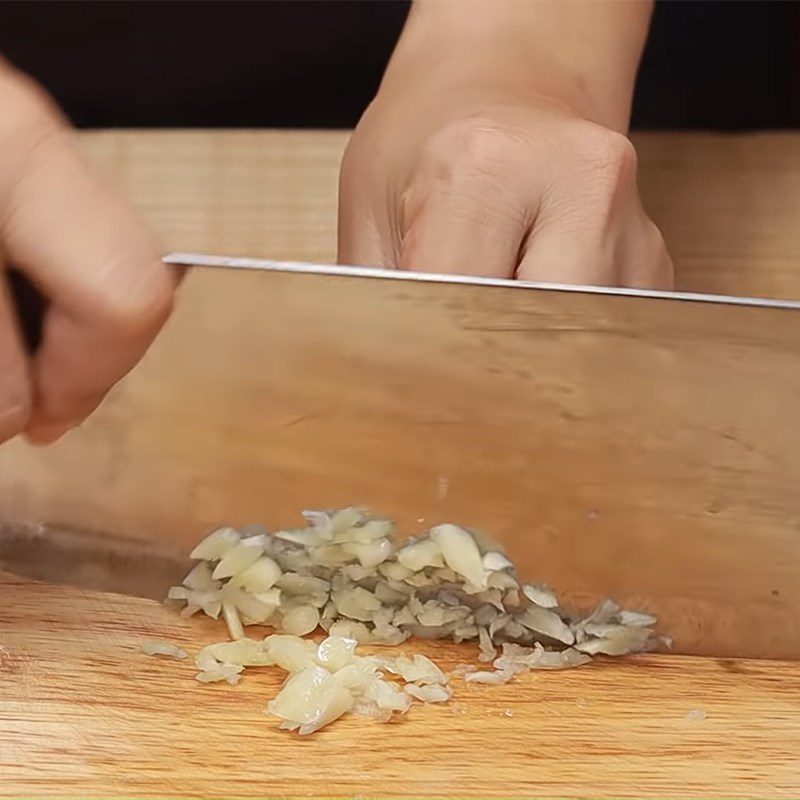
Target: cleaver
626, 443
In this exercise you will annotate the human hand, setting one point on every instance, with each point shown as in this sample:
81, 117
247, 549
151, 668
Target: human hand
461, 167
100, 271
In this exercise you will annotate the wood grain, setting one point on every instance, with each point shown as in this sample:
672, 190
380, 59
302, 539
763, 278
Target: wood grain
728, 205
270, 193
84, 713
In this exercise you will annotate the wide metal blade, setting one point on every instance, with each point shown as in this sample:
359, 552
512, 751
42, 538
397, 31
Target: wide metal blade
345, 271
90, 560
637, 445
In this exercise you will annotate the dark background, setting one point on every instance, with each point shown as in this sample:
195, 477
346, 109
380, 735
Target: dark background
317, 63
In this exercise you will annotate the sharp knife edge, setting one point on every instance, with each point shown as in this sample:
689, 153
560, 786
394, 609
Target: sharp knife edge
339, 270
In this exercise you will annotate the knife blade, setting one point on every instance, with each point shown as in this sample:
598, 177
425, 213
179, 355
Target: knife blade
92, 560
639, 445
203, 260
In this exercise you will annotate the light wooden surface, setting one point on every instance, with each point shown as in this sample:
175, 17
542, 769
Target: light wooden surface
728, 205
81, 713
84, 714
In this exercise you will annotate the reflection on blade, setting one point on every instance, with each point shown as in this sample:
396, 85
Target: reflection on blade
89, 560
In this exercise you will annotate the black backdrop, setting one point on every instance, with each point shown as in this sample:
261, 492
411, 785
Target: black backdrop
316, 63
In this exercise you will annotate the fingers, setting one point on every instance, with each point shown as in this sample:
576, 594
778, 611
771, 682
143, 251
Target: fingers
15, 386
108, 291
560, 253
467, 215
464, 209
456, 232
364, 235
592, 229
359, 240
632, 255
644, 260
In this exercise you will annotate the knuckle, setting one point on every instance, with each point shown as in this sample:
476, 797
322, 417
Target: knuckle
478, 145
470, 167
608, 155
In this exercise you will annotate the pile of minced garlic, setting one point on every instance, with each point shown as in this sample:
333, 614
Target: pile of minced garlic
344, 572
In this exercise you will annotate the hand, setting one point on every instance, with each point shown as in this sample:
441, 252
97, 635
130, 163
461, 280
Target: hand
476, 175
86, 251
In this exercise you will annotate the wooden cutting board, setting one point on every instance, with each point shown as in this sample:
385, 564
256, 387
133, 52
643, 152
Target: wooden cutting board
83, 713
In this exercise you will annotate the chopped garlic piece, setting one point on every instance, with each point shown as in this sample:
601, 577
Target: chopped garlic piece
345, 573
418, 669
547, 623
311, 699
460, 552
495, 561
420, 554
216, 544
387, 695
238, 559
259, 576
233, 621
290, 652
335, 652
500, 676
373, 553
223, 672
301, 620
356, 603
357, 676
626, 640
245, 652
199, 578
433, 693
156, 647
636, 618
540, 594
352, 630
